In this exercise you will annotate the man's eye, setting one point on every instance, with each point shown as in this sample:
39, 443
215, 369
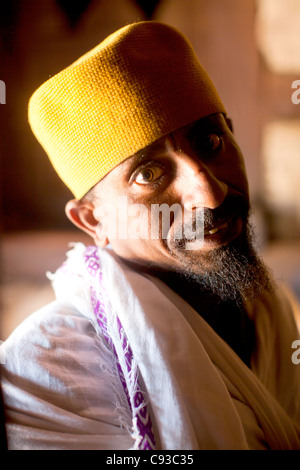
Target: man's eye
149, 175
212, 142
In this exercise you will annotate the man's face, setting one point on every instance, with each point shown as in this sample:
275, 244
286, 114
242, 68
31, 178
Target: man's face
198, 169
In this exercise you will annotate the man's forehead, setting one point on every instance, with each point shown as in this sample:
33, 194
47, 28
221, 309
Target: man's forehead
163, 144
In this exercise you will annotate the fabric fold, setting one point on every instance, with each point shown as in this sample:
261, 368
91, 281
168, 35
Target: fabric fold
202, 395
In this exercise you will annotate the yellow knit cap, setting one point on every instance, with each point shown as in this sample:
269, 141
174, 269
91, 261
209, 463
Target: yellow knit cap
141, 83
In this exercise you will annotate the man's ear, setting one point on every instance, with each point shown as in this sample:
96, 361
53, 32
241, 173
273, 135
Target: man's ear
81, 214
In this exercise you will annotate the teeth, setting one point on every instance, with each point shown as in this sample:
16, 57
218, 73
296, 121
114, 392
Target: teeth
215, 230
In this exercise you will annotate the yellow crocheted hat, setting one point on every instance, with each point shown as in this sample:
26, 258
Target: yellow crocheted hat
141, 83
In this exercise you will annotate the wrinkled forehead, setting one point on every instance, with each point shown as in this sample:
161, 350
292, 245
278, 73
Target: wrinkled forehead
187, 132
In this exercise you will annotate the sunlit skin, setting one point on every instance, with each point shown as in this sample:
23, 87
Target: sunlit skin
197, 167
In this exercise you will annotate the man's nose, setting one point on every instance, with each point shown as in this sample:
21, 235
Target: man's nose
204, 190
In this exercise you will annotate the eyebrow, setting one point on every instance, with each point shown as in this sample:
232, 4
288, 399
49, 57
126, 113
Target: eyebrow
147, 153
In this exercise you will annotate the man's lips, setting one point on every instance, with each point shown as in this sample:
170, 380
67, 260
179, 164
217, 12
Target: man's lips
217, 229
221, 227
224, 233
221, 218
211, 226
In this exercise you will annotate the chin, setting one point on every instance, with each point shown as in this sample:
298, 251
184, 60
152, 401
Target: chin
231, 270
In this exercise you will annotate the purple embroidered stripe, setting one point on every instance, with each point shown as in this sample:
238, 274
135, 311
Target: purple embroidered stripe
138, 409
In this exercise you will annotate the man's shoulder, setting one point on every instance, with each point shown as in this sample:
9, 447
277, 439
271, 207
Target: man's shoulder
45, 330
52, 317
59, 381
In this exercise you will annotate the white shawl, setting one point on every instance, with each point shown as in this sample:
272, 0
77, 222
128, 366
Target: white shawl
202, 395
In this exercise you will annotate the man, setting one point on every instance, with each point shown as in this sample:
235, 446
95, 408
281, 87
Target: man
163, 335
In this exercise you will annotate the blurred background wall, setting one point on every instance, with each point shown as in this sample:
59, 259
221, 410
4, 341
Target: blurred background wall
251, 50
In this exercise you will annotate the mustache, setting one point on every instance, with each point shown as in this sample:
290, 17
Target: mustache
232, 206
203, 220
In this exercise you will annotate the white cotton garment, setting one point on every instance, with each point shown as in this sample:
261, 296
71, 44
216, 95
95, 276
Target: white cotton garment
217, 402
58, 387
62, 391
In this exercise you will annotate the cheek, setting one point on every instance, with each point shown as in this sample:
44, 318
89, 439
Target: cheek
241, 177
127, 227
233, 170
138, 250
138, 240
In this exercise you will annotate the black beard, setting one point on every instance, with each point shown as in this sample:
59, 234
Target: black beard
233, 272
205, 220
